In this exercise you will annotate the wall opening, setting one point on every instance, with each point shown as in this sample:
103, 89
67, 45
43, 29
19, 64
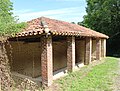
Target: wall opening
59, 54
26, 58
80, 51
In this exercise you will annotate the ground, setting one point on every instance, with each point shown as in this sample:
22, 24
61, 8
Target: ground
101, 75
117, 78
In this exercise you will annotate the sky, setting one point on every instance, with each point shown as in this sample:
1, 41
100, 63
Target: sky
65, 10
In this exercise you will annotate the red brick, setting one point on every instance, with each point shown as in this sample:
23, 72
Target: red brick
88, 50
70, 53
98, 49
46, 60
103, 47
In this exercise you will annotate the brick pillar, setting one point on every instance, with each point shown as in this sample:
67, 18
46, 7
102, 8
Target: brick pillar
93, 50
103, 47
0, 77
46, 60
0, 65
104, 53
88, 50
70, 53
98, 49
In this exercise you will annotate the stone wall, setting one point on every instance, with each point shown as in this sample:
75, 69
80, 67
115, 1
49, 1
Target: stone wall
6, 81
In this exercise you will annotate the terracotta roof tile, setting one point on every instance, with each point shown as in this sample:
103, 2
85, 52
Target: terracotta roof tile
57, 27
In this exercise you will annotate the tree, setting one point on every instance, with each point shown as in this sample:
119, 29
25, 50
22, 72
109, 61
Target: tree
8, 23
73, 22
8, 26
103, 16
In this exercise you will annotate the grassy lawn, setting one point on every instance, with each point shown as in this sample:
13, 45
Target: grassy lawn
91, 78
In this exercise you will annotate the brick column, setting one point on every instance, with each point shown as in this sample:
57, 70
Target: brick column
103, 47
70, 53
0, 66
46, 60
93, 50
88, 50
0, 76
98, 49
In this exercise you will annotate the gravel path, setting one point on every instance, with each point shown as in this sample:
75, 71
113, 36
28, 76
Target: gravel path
117, 79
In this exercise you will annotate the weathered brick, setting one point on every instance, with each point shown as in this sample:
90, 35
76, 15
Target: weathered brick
88, 50
103, 47
46, 60
70, 53
98, 49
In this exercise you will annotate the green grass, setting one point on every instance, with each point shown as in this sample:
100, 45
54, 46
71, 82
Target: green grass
91, 78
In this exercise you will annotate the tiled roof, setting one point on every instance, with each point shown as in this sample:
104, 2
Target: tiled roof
56, 27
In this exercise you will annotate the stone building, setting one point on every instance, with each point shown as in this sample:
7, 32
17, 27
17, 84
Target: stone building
47, 47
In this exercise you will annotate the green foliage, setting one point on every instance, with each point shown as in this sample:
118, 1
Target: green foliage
73, 22
8, 24
89, 78
82, 24
103, 16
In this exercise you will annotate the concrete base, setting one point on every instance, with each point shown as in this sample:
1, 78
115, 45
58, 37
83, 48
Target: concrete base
60, 73
78, 65
24, 76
